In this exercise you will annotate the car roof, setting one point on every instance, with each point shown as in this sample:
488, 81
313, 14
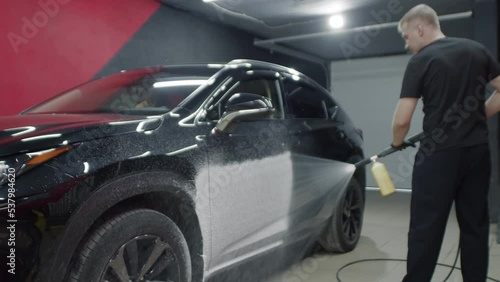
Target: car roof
235, 64
245, 63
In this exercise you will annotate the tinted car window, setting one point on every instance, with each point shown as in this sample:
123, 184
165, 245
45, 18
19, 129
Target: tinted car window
261, 86
151, 91
305, 101
163, 95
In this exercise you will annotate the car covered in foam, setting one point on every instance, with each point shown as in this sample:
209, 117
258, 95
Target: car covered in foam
177, 173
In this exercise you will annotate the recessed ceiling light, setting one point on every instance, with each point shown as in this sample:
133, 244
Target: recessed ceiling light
336, 21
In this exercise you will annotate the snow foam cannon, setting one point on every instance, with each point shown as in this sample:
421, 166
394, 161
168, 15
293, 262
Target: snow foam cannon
379, 170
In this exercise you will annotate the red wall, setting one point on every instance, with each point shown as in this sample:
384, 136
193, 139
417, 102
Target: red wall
48, 46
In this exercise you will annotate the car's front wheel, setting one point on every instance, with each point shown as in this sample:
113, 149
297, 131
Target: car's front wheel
344, 229
138, 245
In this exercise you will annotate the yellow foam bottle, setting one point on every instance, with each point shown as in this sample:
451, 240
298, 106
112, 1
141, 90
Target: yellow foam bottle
382, 178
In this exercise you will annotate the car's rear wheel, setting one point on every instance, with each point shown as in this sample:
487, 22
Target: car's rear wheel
344, 230
137, 245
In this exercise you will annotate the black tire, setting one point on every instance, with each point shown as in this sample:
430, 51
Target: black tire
129, 241
344, 230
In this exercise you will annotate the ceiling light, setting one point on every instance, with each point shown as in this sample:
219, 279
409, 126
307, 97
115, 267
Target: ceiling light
336, 21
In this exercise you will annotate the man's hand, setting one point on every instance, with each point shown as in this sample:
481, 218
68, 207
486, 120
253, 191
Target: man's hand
403, 145
492, 105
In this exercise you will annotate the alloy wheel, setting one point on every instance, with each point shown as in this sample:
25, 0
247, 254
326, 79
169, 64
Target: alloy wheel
145, 258
351, 217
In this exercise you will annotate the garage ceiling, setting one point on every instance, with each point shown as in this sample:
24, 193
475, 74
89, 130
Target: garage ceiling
300, 27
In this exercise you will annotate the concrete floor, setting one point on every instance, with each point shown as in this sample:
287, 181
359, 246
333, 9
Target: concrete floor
384, 235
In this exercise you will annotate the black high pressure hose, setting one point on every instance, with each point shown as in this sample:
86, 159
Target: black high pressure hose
413, 139
453, 267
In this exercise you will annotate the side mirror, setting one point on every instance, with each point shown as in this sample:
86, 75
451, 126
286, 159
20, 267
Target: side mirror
242, 106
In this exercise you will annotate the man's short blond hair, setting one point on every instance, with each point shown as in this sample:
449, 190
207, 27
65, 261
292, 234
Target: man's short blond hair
422, 12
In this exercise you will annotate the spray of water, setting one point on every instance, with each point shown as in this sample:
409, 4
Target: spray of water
315, 181
317, 175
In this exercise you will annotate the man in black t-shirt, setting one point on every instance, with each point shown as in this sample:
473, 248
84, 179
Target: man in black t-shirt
453, 161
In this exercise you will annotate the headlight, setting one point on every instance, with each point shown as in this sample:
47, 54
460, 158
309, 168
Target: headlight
22, 163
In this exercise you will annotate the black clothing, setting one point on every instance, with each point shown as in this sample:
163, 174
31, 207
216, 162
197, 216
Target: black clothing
450, 75
462, 175
453, 162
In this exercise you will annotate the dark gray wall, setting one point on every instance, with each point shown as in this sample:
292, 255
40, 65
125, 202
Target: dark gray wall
174, 36
486, 31
369, 90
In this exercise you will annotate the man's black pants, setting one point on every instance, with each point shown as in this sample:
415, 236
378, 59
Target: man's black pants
461, 175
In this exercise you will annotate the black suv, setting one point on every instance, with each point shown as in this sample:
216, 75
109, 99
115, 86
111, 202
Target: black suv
176, 173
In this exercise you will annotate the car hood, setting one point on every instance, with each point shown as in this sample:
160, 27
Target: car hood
33, 132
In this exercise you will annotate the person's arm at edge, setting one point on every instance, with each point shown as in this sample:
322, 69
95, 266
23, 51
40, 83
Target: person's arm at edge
402, 119
492, 105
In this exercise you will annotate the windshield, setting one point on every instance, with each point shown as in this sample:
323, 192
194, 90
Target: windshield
137, 92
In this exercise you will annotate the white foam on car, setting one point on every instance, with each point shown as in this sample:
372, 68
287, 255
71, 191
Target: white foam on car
244, 207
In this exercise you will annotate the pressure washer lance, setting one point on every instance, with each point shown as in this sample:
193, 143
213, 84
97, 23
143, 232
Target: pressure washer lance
379, 170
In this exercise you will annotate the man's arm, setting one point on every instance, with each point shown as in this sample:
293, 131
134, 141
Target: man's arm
402, 119
493, 103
